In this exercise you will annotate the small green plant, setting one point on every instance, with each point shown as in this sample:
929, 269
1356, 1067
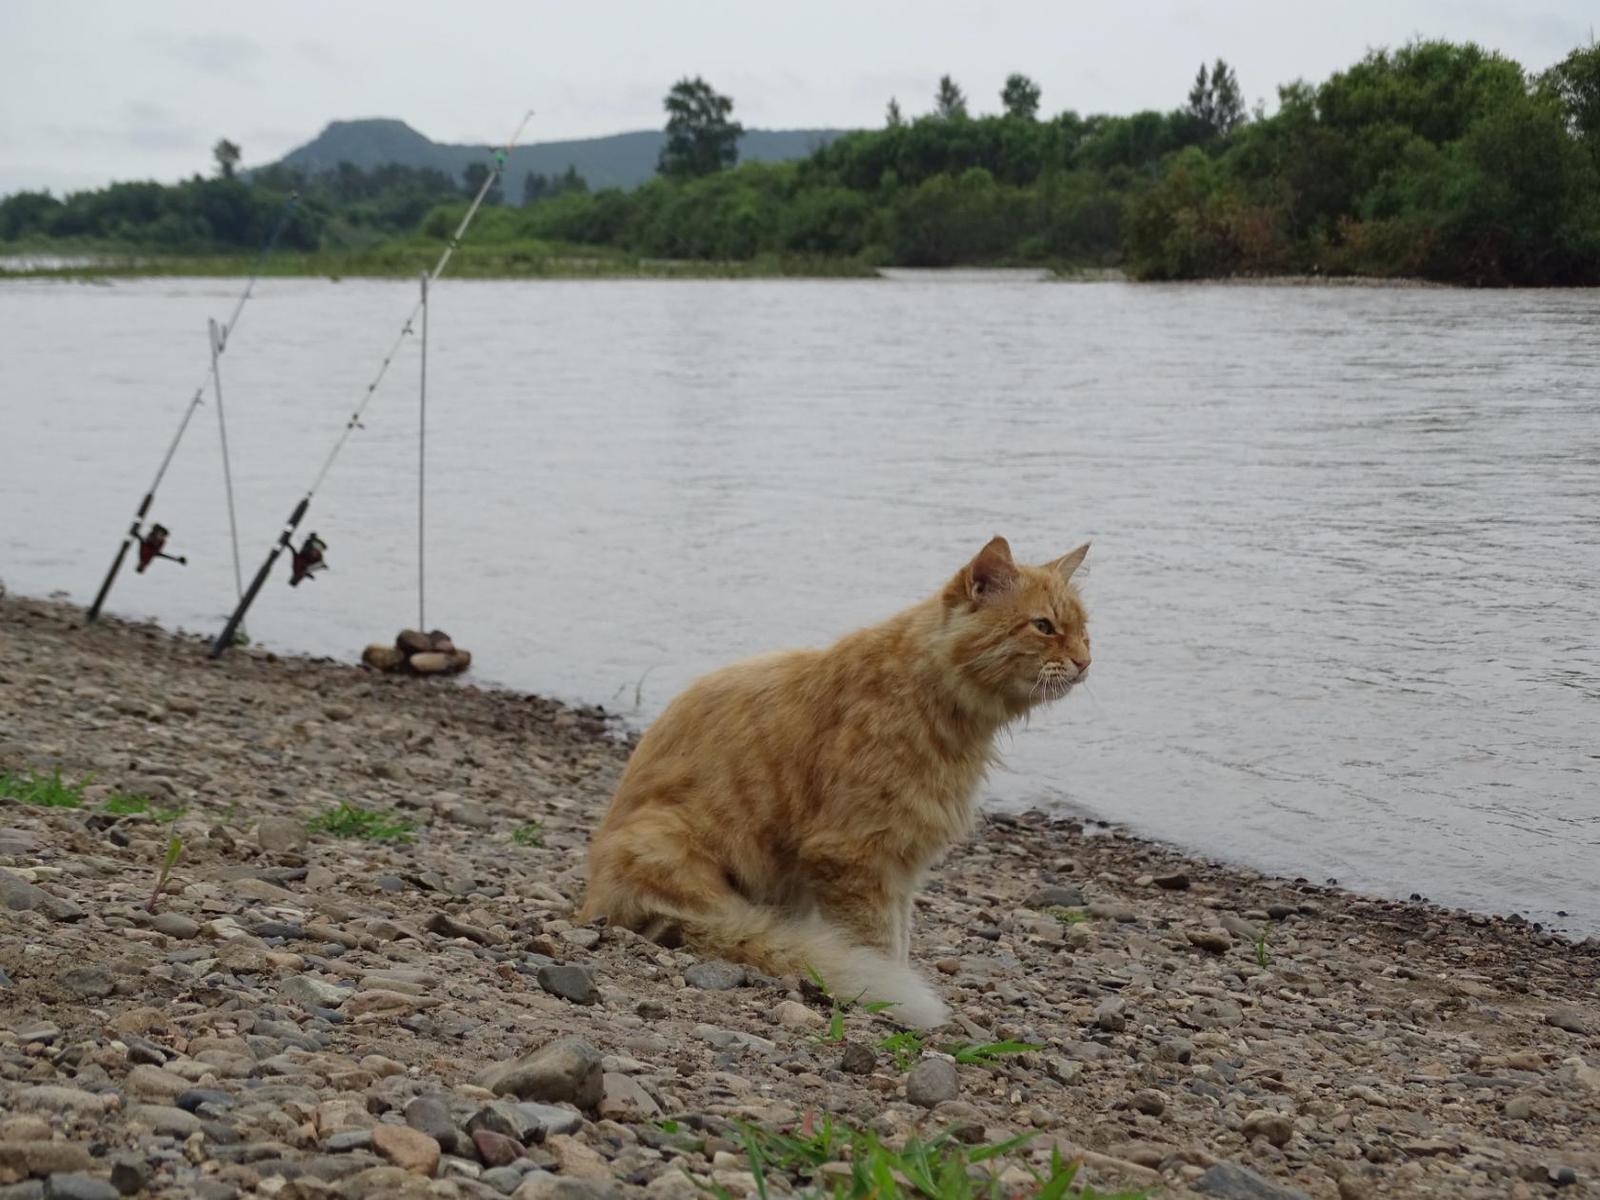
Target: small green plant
1069, 916
988, 1052
168, 861
1261, 945
834, 1032
350, 821
906, 1046
531, 834
124, 804
848, 1164
46, 791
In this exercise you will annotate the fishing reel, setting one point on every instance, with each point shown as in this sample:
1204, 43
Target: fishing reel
152, 546
308, 560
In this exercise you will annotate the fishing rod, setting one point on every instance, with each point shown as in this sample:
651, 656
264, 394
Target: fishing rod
309, 559
152, 543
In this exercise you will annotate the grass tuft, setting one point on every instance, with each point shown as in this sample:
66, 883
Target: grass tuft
124, 804
371, 825
46, 791
531, 834
827, 1159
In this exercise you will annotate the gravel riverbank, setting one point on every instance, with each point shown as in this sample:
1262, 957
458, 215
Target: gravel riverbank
314, 1013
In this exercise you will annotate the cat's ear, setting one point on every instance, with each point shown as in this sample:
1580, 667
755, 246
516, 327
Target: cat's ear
1068, 562
991, 572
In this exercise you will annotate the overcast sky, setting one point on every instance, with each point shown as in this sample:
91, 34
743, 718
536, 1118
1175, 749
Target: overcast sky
94, 90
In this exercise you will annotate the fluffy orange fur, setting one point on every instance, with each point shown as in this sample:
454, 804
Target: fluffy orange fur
784, 811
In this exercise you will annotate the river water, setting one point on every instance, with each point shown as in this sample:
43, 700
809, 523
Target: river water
1345, 584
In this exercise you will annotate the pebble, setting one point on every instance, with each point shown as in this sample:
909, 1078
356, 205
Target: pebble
715, 976
19, 895
1110, 1014
496, 1149
317, 992
791, 1014
1233, 1182
568, 1069
857, 1060
1569, 1019
79, 1187
431, 1115
1149, 1102
1176, 881
624, 1099
174, 925
1273, 1126
932, 1081
1218, 941
282, 835
1055, 896
569, 982
93, 983
407, 1148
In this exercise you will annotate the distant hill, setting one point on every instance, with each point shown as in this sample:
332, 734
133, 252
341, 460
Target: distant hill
622, 160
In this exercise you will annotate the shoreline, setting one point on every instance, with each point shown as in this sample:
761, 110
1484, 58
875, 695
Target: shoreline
1191, 1018
489, 264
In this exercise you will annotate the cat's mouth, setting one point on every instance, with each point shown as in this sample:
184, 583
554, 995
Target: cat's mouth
1054, 687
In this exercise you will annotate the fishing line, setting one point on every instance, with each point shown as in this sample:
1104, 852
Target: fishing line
309, 558
152, 544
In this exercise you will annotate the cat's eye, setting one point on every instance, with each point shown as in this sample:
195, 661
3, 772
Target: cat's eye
1042, 624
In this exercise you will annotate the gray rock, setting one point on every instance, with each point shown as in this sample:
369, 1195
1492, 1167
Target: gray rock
1177, 881
542, 1185
1217, 941
1569, 1019
857, 1060
174, 925
19, 895
1233, 1182
932, 1081
347, 1140
1150, 1102
161, 1118
93, 983
505, 1179
28, 1189
527, 1122
1055, 897
1274, 1126
715, 976
568, 1069
130, 1174
1109, 1014
1247, 931
568, 982
79, 1187
431, 1115
1519, 1108
281, 835
1108, 910
192, 1099
315, 992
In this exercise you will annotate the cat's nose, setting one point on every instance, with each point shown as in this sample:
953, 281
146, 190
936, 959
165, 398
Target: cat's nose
1082, 664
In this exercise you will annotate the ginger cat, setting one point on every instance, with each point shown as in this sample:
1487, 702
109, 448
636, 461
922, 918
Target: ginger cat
783, 811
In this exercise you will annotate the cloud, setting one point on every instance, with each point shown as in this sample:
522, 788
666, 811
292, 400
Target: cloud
228, 55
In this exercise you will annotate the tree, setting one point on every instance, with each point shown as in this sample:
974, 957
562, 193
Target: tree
949, 103
227, 156
571, 181
702, 137
1575, 83
893, 119
1020, 97
535, 187
1215, 101
472, 179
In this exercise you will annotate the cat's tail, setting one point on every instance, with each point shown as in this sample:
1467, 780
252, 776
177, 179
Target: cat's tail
783, 943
